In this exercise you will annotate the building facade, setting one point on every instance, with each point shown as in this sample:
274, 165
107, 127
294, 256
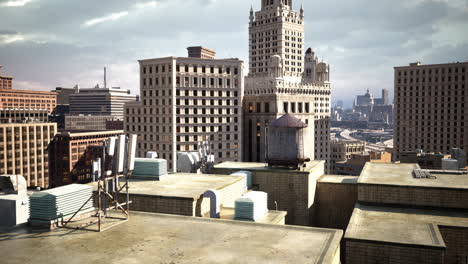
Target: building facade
72, 155
92, 123
26, 105
341, 151
100, 101
185, 101
284, 79
23, 151
431, 103
6, 82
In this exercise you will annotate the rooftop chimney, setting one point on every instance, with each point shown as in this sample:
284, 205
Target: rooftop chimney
201, 53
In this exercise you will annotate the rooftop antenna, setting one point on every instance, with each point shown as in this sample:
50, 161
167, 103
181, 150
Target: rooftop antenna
105, 80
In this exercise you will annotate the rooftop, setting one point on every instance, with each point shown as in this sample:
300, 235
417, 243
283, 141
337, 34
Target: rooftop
84, 133
402, 225
338, 179
156, 238
402, 175
181, 185
254, 166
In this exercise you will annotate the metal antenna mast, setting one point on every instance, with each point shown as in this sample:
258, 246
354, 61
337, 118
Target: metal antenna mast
105, 79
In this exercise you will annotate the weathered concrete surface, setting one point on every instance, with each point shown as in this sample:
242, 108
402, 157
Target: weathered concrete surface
340, 179
155, 238
401, 175
271, 217
184, 185
402, 225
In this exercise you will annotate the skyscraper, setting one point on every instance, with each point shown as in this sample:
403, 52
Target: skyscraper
431, 107
100, 101
186, 100
283, 79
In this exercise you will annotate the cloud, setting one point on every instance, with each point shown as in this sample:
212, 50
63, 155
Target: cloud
362, 39
10, 38
16, 3
143, 5
99, 20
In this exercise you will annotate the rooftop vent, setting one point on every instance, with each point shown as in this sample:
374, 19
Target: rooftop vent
421, 174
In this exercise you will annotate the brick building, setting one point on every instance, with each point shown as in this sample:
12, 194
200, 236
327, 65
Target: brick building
72, 154
23, 151
354, 165
431, 103
6, 82
20, 105
341, 151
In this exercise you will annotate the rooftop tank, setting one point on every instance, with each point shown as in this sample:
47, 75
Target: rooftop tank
286, 142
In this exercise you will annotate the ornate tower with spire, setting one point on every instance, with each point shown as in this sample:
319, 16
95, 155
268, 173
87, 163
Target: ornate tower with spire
283, 79
276, 30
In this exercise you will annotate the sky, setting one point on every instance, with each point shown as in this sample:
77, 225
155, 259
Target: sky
61, 43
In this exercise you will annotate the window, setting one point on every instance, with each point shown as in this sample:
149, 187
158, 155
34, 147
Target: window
250, 108
267, 107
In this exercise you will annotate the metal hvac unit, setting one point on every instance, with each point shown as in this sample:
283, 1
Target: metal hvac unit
252, 206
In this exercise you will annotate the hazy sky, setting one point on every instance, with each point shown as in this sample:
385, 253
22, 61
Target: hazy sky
50, 43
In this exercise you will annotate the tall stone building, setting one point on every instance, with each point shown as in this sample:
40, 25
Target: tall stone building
283, 79
431, 103
186, 100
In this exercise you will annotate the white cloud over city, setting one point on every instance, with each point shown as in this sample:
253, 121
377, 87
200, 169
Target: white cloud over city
49, 43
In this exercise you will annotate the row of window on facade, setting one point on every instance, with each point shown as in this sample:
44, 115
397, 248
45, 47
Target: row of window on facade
195, 81
204, 120
184, 129
204, 69
225, 110
287, 69
276, 19
434, 91
429, 79
206, 93
205, 102
431, 71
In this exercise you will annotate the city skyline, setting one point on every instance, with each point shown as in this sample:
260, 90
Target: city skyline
374, 36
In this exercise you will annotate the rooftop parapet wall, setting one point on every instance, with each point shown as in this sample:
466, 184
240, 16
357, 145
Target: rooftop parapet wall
293, 191
394, 184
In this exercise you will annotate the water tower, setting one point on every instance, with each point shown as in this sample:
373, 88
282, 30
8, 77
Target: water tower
285, 142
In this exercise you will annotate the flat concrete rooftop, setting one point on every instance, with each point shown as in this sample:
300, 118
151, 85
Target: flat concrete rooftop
182, 185
338, 179
263, 166
156, 238
401, 175
402, 225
